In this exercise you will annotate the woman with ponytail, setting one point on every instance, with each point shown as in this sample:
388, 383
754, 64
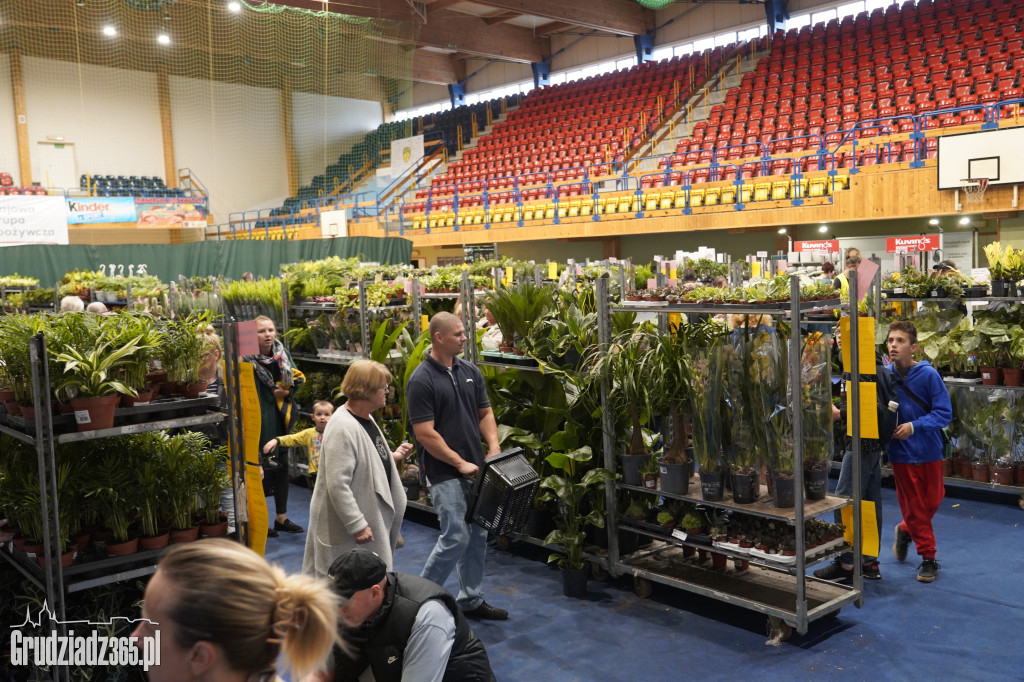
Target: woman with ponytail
224, 614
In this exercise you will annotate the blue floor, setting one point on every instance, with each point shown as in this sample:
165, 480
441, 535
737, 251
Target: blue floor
967, 625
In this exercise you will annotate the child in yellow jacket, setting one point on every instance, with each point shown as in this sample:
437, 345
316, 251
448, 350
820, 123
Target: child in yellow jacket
311, 439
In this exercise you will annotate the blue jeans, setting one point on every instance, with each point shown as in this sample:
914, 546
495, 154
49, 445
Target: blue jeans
462, 545
871, 490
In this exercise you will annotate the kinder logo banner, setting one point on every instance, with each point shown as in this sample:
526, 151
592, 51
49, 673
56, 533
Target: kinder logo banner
928, 242
32, 220
101, 210
819, 246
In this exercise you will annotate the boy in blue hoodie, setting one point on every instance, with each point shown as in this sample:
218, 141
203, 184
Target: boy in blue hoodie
915, 451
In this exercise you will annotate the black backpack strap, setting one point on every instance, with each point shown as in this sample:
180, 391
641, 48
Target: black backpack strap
922, 404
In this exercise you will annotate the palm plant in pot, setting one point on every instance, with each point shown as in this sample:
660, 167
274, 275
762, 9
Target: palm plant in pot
213, 481
667, 371
115, 498
144, 327
517, 310
182, 351
705, 400
183, 483
572, 490
629, 392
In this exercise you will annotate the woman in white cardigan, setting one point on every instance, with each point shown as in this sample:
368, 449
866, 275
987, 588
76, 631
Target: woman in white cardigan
358, 498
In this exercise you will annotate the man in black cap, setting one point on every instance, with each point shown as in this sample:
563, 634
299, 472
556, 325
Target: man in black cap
401, 626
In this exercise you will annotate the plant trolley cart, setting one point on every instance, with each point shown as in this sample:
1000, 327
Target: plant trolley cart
782, 591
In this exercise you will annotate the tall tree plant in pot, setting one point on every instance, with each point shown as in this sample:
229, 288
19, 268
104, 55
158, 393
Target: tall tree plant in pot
572, 490
668, 374
629, 391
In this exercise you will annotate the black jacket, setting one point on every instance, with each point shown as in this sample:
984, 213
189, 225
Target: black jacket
380, 644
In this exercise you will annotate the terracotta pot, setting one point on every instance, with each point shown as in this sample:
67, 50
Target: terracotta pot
979, 471
213, 530
947, 467
169, 388
649, 481
1001, 475
965, 468
21, 542
143, 398
81, 541
102, 535
28, 411
5, 395
99, 412
66, 559
187, 535
65, 408
719, 560
123, 548
1018, 473
155, 542
193, 390
13, 407
1013, 377
156, 377
991, 376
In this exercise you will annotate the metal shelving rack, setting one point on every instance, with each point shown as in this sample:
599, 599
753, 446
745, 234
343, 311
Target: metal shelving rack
786, 595
54, 580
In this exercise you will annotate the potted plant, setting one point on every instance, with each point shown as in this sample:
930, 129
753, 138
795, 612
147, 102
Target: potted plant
1014, 374
88, 372
1001, 471
816, 404
182, 350
649, 473
741, 447
115, 498
517, 310
705, 398
182, 483
996, 255
213, 481
572, 490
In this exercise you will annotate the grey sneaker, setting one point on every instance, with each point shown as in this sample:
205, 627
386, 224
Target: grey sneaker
901, 543
928, 570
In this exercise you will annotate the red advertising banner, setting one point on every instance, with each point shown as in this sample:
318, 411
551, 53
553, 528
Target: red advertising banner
928, 242
819, 246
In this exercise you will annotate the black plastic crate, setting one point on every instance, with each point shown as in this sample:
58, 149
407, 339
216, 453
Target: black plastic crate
504, 493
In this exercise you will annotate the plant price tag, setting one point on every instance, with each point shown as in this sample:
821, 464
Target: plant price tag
82, 417
679, 534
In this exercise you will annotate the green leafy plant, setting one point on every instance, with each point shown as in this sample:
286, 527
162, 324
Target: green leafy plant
89, 372
571, 491
518, 310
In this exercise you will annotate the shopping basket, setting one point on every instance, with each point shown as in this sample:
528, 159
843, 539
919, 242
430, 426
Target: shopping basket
503, 493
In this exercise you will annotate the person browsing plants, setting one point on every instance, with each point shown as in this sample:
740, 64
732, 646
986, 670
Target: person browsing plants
311, 438
276, 380
915, 451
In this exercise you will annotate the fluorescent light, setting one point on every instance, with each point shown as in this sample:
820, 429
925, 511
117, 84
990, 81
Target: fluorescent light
163, 39
235, 6
782, 230
109, 31
823, 229
965, 221
933, 221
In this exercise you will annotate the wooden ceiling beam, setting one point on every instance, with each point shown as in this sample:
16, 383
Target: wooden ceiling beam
470, 35
437, 68
614, 16
500, 18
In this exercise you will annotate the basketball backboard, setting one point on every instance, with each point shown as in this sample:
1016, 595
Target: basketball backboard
997, 155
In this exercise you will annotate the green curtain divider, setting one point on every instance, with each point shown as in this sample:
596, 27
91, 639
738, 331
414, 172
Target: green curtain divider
228, 258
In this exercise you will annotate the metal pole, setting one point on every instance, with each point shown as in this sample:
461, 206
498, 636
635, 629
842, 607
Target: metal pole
417, 308
604, 337
795, 402
236, 437
469, 316
853, 414
284, 314
364, 321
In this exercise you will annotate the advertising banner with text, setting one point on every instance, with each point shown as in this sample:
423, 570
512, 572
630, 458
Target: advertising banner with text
101, 210
925, 242
817, 246
32, 220
171, 211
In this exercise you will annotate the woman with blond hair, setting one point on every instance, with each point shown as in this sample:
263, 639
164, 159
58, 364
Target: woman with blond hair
277, 379
361, 501
224, 614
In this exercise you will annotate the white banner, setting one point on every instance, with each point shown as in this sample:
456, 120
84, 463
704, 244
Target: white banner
33, 220
405, 154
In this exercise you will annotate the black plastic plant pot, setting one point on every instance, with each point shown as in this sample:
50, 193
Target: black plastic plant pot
711, 488
783, 492
675, 478
745, 488
574, 582
816, 481
631, 468
1000, 287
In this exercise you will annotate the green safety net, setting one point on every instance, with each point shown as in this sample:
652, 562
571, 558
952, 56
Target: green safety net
227, 258
209, 47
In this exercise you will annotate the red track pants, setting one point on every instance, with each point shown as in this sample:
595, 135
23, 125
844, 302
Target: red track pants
919, 489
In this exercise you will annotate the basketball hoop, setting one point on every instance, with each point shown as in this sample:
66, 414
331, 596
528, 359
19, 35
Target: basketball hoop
974, 189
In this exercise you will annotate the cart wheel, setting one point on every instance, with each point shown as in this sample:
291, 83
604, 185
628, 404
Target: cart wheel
598, 572
503, 542
778, 631
642, 586
832, 615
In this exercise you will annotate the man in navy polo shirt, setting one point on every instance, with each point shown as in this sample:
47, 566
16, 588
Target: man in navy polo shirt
451, 416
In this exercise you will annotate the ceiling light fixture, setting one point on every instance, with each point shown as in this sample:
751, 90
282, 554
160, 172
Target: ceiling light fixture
235, 6
163, 39
109, 31
933, 221
823, 229
965, 221
783, 230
